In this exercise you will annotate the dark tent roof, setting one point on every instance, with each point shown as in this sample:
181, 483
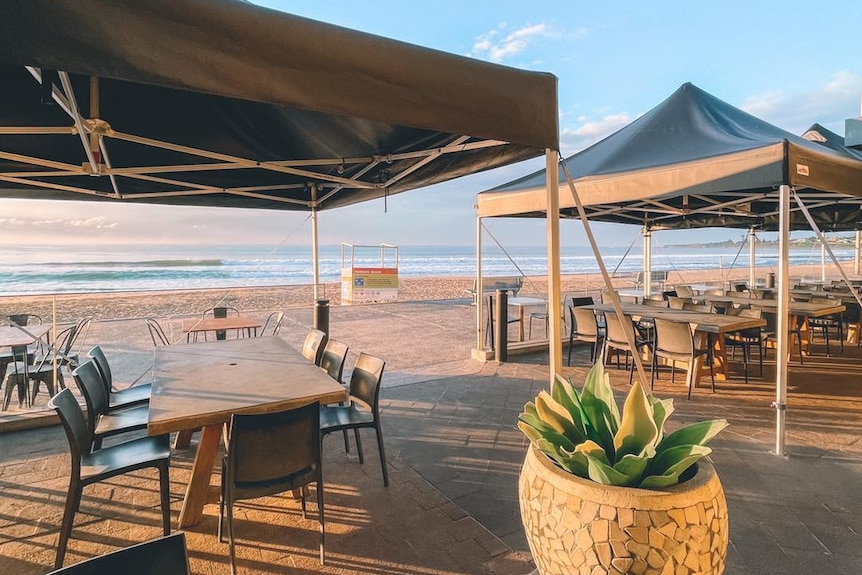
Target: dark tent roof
220, 102
696, 161
828, 138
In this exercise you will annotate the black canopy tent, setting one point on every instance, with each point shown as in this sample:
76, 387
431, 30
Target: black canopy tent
223, 103
694, 161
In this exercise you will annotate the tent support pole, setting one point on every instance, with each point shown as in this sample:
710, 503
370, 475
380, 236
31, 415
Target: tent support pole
752, 255
552, 186
647, 261
823, 259
315, 248
782, 319
479, 294
615, 297
857, 252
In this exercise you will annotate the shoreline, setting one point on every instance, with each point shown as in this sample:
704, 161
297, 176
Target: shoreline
103, 306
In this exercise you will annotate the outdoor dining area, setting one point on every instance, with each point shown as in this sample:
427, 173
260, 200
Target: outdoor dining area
452, 456
268, 404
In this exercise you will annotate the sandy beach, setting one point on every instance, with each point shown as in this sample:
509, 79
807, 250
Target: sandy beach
181, 303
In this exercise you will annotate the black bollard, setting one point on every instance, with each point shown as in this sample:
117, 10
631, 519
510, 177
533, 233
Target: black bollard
770, 280
501, 327
321, 315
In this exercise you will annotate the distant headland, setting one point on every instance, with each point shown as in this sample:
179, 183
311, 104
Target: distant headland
807, 242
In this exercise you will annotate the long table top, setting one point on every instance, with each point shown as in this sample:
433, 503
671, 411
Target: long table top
25, 335
799, 308
202, 384
703, 322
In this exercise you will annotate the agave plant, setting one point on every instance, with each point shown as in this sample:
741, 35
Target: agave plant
584, 433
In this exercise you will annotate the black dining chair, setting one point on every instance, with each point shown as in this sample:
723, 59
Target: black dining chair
91, 467
363, 411
332, 362
163, 556
219, 312
118, 398
313, 346
104, 422
267, 454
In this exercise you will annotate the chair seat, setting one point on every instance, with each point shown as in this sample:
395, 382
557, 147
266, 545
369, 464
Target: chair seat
334, 417
122, 421
121, 458
130, 396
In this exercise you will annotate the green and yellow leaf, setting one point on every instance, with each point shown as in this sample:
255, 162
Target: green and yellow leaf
637, 429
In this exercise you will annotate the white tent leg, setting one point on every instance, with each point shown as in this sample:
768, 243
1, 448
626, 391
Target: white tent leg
552, 184
479, 294
782, 319
647, 262
752, 255
856, 254
823, 260
315, 255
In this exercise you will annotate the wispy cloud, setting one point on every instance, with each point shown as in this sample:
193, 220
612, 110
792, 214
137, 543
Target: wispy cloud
588, 131
500, 44
48, 224
829, 104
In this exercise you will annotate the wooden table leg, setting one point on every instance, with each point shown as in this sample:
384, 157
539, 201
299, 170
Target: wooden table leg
520, 323
197, 491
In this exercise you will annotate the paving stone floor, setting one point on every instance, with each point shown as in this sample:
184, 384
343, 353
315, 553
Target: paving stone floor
454, 456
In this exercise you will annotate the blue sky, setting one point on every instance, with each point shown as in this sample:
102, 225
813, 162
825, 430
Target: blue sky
791, 63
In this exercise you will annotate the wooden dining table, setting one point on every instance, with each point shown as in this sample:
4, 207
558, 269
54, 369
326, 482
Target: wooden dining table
800, 311
246, 323
710, 327
203, 384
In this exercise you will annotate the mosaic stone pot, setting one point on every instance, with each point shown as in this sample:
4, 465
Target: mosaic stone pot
577, 526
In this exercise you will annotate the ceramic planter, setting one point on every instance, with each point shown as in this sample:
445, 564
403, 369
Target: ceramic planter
574, 525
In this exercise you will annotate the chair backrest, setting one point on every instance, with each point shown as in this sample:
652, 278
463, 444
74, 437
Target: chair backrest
582, 300
677, 302
365, 380
23, 319
272, 324
699, 307
683, 291
652, 302
332, 361
584, 321
673, 337
98, 357
82, 328
751, 312
75, 424
157, 333
312, 347
220, 311
265, 449
616, 332
89, 382
163, 556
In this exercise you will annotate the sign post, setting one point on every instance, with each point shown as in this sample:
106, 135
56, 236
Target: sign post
362, 282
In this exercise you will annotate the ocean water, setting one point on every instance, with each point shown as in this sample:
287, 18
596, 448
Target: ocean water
65, 269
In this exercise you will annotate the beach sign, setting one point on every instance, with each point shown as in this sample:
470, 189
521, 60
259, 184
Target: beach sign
368, 285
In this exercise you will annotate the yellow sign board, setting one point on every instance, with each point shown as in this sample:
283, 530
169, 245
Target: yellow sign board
368, 285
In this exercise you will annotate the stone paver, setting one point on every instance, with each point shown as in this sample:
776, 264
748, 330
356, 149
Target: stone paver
455, 454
